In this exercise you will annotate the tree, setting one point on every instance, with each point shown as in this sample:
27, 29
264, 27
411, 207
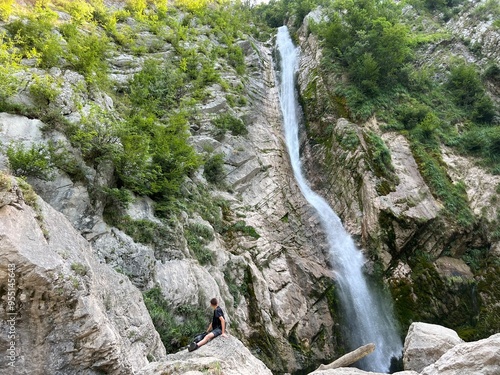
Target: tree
366, 37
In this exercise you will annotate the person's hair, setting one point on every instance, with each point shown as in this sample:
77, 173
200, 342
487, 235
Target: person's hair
213, 301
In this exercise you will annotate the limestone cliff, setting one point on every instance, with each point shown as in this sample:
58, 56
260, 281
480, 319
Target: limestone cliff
72, 313
266, 258
390, 210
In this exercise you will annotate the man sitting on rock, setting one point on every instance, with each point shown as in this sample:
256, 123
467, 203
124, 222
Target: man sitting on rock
216, 328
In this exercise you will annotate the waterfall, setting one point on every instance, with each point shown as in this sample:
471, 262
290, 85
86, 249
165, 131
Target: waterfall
368, 317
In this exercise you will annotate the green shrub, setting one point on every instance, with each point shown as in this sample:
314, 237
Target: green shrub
35, 36
242, 227
379, 156
9, 82
97, 136
6, 9
453, 196
197, 237
44, 89
214, 169
236, 59
79, 268
368, 40
142, 231
87, 52
176, 326
32, 162
490, 9
119, 197
5, 182
158, 88
410, 115
465, 84
226, 121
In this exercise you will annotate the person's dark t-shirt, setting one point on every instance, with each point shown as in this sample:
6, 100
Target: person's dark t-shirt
215, 320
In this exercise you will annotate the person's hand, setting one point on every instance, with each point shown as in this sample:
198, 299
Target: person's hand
224, 335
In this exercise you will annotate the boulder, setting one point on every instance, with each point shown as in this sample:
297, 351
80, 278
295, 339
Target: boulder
222, 355
426, 343
479, 358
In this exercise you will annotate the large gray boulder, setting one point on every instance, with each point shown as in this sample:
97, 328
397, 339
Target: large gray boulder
223, 355
73, 314
479, 358
426, 343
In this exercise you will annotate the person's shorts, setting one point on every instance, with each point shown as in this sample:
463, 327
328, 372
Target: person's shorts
217, 332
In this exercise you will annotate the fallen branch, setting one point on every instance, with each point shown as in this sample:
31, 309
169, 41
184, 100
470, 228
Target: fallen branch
349, 358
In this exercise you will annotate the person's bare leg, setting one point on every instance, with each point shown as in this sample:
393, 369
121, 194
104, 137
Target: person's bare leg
206, 339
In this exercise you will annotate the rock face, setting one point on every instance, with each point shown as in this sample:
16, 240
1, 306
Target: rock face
73, 314
389, 210
426, 343
479, 358
223, 355
285, 313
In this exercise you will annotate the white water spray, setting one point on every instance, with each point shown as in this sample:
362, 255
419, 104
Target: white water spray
369, 318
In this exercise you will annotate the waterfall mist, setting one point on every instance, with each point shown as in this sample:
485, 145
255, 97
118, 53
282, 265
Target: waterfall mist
368, 317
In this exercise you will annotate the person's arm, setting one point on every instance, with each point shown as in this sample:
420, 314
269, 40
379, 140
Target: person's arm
223, 325
209, 327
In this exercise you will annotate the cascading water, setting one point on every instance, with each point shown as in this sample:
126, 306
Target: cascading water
369, 317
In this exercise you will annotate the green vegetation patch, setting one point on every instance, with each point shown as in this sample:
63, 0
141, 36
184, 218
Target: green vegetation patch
176, 326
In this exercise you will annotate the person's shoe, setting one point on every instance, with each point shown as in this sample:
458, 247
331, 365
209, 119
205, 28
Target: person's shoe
192, 347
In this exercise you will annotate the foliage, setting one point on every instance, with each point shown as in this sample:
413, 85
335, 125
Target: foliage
379, 156
225, 122
367, 39
214, 169
79, 268
242, 227
44, 89
198, 236
5, 9
488, 10
97, 136
142, 231
273, 13
9, 65
452, 195
469, 93
176, 326
33, 35
158, 87
5, 182
33, 162
29, 194
86, 52
475, 258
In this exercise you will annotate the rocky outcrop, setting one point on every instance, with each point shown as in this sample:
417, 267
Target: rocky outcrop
72, 313
223, 355
426, 343
479, 358
430, 259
